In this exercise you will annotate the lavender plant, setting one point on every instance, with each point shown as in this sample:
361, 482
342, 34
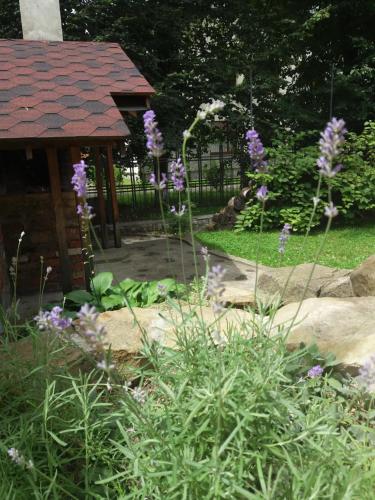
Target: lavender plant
85, 212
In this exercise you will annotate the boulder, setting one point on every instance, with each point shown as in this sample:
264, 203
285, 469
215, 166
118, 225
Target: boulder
239, 293
126, 330
340, 287
342, 326
272, 281
363, 278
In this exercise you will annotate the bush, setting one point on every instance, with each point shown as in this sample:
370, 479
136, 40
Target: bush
294, 176
240, 421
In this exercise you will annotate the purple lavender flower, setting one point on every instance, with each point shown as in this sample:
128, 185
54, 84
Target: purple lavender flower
85, 211
204, 253
331, 211
315, 371
283, 238
367, 373
330, 145
88, 325
79, 182
52, 320
159, 185
262, 193
215, 287
154, 138
256, 151
179, 212
79, 179
178, 175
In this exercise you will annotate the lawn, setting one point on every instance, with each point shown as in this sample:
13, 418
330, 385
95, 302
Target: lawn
345, 247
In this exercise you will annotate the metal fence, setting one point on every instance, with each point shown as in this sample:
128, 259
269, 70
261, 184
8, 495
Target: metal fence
214, 178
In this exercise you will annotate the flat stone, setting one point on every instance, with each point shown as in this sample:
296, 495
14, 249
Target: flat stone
290, 282
342, 326
127, 329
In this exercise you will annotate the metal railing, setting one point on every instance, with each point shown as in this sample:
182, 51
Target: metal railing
214, 178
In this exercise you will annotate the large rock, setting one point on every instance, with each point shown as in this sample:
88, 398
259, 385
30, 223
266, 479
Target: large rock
363, 278
340, 287
272, 282
127, 330
344, 327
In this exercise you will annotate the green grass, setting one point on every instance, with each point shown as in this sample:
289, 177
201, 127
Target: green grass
345, 248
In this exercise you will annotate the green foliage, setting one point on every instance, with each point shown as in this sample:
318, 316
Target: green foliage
243, 421
294, 176
212, 174
105, 296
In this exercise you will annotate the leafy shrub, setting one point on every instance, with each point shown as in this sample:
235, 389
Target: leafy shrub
294, 176
105, 296
243, 421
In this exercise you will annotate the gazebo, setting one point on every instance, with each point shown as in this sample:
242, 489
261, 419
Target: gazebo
56, 98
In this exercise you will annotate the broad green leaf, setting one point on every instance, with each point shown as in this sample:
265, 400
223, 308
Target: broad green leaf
79, 297
112, 301
101, 282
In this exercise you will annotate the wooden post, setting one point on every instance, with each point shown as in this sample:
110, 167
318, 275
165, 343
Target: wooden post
114, 203
58, 210
101, 201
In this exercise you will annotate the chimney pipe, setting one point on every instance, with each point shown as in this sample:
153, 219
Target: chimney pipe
41, 20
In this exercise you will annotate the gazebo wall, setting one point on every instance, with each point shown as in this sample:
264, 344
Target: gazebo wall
33, 214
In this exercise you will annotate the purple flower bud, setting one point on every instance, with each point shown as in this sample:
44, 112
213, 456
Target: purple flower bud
330, 144
154, 138
93, 332
79, 179
178, 175
204, 253
79, 182
179, 212
53, 320
315, 371
159, 185
262, 193
256, 151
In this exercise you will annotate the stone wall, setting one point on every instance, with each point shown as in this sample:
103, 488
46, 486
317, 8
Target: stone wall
33, 214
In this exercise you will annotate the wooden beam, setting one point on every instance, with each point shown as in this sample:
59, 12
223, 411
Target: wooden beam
58, 210
114, 203
101, 201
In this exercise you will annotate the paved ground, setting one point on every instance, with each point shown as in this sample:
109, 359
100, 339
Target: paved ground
149, 258
146, 258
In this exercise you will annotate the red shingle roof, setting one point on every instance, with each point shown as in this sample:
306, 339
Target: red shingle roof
63, 89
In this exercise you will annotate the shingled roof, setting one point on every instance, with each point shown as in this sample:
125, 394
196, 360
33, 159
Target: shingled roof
64, 89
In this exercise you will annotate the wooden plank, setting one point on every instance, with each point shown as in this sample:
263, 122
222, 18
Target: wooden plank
101, 201
58, 210
114, 203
